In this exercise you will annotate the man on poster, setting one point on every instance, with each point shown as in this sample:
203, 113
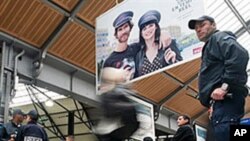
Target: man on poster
120, 65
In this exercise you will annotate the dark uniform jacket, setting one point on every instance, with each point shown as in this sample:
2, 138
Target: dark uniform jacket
224, 60
3, 133
11, 128
184, 133
31, 132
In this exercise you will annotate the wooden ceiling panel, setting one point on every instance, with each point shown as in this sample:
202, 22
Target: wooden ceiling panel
29, 20
156, 87
184, 104
185, 71
76, 44
194, 85
94, 8
66, 4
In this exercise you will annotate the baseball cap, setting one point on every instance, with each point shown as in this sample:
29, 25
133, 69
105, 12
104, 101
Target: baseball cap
151, 15
192, 22
33, 114
123, 18
18, 112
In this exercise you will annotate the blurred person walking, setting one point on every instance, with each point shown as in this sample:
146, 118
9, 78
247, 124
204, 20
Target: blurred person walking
119, 120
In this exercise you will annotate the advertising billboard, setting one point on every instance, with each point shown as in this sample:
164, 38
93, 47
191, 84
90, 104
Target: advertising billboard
136, 39
200, 133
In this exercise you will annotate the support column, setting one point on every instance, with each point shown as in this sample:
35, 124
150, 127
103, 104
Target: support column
71, 122
6, 83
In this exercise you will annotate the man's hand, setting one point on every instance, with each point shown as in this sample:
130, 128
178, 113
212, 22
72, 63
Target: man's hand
11, 139
128, 74
210, 112
115, 75
165, 40
170, 56
218, 94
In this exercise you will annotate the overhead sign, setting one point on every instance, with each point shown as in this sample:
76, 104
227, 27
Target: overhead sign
136, 39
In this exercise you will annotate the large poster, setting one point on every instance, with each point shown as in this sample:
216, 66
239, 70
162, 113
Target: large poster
140, 38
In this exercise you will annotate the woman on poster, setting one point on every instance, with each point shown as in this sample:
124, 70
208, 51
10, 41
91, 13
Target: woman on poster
152, 55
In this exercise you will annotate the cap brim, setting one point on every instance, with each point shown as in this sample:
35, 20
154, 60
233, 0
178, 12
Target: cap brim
122, 22
191, 24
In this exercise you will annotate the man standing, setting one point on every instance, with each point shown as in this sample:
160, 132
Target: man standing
13, 126
32, 131
222, 76
185, 131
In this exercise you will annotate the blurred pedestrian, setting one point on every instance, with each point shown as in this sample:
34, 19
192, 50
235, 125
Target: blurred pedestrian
119, 120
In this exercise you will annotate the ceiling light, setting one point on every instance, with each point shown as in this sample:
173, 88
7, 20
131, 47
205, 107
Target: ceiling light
49, 103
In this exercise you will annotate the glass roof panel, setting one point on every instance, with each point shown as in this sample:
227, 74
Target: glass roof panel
22, 96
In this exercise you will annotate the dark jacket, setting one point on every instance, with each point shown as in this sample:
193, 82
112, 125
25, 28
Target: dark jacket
184, 133
3, 133
140, 61
224, 60
32, 131
11, 128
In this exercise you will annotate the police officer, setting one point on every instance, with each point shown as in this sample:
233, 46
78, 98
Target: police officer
13, 126
32, 131
222, 72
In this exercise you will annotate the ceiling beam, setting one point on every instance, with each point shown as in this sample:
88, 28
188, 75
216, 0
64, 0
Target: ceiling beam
173, 94
176, 80
242, 30
237, 14
67, 14
46, 112
68, 18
